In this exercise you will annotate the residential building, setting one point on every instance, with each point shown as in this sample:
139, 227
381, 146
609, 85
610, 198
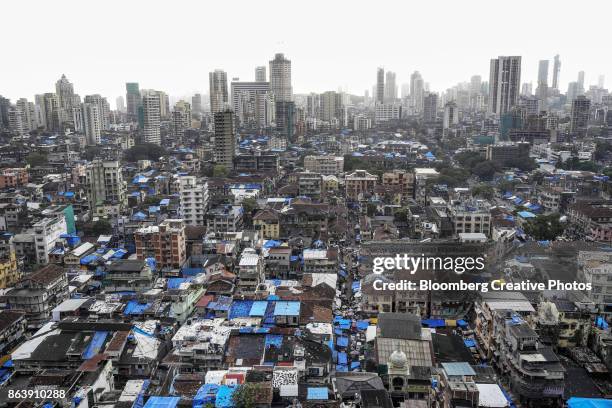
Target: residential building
327, 165
38, 294
165, 242
193, 200
105, 187
225, 140
360, 184
504, 83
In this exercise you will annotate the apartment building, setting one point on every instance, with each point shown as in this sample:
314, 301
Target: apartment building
166, 243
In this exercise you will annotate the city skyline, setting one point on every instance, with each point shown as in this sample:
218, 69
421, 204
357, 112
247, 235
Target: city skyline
314, 68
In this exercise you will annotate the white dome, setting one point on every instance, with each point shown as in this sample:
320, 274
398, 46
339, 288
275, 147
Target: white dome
398, 359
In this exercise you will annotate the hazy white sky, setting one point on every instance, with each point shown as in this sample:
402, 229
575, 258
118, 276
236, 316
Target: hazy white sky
172, 45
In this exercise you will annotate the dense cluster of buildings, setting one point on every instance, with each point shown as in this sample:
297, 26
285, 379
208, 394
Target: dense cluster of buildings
219, 251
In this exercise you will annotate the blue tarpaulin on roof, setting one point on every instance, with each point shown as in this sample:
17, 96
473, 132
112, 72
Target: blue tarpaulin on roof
240, 308
95, 345
139, 216
272, 244
342, 358
469, 343
135, 308
462, 323
191, 271
433, 322
258, 308
576, 402
317, 393
342, 341
162, 402
174, 283
151, 262
86, 260
601, 323
356, 286
363, 325
287, 308
164, 202
342, 273
355, 365
224, 396
207, 394
119, 253
275, 340
342, 368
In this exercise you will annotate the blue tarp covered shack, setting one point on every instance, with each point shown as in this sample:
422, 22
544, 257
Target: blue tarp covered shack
576, 402
224, 397
317, 393
96, 345
207, 394
162, 402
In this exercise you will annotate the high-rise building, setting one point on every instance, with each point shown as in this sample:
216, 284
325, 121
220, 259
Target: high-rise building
5, 104
581, 82
248, 107
151, 107
193, 200
504, 84
280, 78
527, 89
542, 91
196, 104
331, 107
218, 90
416, 91
65, 93
390, 87
573, 90
430, 107
225, 140
451, 115
313, 105
15, 119
103, 108
134, 100
51, 112
580, 115
181, 121
120, 104
260, 74
91, 122
285, 119
475, 84
105, 187
380, 85
556, 72
27, 111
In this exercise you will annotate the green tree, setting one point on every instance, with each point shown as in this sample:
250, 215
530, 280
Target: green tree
220, 171
144, 151
245, 395
544, 227
249, 204
483, 191
485, 170
101, 227
35, 159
